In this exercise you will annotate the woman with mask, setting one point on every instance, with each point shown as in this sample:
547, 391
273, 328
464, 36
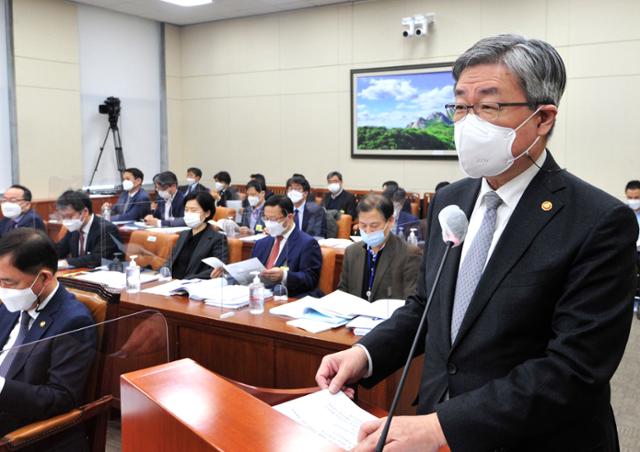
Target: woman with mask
382, 265
200, 242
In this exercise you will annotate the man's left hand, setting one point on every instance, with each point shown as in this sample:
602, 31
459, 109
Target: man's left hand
407, 433
274, 274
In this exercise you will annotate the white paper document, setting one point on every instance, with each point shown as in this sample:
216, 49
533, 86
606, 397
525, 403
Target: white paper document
114, 280
213, 262
334, 417
164, 289
314, 326
233, 297
241, 271
335, 243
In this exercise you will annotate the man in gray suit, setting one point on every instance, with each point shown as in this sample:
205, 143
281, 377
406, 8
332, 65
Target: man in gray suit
382, 265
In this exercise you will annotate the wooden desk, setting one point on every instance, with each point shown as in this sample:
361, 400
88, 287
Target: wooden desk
181, 406
259, 350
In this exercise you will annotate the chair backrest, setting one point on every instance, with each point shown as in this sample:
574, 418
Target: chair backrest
152, 249
224, 212
344, 226
235, 250
326, 283
97, 306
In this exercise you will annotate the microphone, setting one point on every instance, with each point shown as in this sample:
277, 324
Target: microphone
454, 225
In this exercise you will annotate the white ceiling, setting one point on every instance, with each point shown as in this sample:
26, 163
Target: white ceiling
220, 9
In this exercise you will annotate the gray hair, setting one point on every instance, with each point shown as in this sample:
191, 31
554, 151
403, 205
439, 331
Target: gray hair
538, 66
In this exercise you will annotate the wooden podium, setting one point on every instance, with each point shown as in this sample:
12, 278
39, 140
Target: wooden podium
183, 406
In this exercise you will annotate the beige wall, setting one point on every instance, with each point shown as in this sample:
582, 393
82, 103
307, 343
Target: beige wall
47, 95
271, 93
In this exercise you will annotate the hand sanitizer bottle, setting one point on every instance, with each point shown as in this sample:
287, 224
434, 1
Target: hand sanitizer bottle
256, 295
133, 276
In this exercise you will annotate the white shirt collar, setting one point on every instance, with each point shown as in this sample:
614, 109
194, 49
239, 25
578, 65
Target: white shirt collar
33, 312
87, 226
337, 194
301, 208
287, 234
512, 191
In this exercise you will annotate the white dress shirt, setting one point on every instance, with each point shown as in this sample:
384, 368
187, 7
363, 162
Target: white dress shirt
300, 212
285, 237
33, 313
510, 193
85, 231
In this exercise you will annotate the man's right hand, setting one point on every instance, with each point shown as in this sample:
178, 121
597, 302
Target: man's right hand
340, 369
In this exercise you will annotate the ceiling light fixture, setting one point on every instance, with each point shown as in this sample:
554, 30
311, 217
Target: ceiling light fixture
187, 3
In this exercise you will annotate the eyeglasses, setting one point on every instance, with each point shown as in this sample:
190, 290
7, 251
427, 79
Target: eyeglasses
3, 200
272, 219
489, 111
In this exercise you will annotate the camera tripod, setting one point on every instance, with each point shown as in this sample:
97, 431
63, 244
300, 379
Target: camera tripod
117, 143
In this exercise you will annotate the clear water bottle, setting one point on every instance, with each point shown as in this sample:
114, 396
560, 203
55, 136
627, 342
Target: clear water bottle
412, 239
132, 276
256, 295
106, 212
400, 233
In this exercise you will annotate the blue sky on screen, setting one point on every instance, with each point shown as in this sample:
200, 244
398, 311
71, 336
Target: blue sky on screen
396, 100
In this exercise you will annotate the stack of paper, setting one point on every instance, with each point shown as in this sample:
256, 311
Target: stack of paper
335, 243
200, 289
332, 416
336, 309
171, 230
233, 297
113, 280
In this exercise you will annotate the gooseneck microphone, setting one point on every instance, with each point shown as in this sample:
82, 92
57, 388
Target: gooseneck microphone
454, 225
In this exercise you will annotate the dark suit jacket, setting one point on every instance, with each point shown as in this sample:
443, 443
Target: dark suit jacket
544, 332
302, 255
228, 194
48, 378
212, 244
99, 244
246, 217
177, 210
314, 221
396, 271
30, 219
345, 202
138, 207
196, 188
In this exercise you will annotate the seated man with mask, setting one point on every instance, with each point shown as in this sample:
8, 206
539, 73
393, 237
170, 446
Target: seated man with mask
292, 257
17, 211
193, 181
46, 378
308, 216
252, 209
89, 237
170, 205
382, 265
338, 198
133, 203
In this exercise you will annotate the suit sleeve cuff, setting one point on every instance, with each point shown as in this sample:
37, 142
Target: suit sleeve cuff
2, 380
369, 362
285, 272
159, 223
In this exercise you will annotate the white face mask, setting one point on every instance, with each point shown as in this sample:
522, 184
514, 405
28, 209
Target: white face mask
127, 185
72, 225
11, 209
274, 228
219, 186
253, 200
164, 194
190, 181
334, 188
295, 196
484, 149
633, 203
19, 299
192, 219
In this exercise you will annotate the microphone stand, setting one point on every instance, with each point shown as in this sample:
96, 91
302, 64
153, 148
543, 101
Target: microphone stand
405, 371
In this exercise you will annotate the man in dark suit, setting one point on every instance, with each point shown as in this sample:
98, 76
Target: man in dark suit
308, 216
291, 257
133, 203
530, 319
338, 198
252, 209
258, 177
200, 242
223, 191
382, 265
169, 209
17, 211
44, 379
194, 175
89, 237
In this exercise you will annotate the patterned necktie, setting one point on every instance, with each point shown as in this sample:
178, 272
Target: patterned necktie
13, 352
474, 262
126, 204
275, 250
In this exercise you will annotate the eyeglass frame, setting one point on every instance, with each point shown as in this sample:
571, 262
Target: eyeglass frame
500, 105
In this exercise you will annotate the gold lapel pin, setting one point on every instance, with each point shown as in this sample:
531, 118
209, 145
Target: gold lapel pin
42, 324
546, 206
